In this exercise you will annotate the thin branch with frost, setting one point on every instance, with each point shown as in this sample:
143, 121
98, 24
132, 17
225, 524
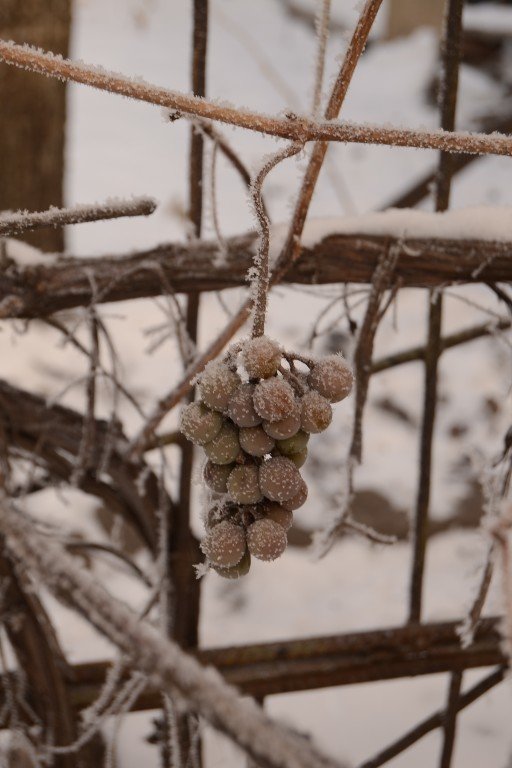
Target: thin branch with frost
260, 276
291, 249
166, 665
23, 221
301, 129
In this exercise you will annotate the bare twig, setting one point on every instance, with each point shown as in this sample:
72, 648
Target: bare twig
23, 221
447, 342
381, 282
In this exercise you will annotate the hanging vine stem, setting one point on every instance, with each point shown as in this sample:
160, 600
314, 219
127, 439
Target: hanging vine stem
261, 261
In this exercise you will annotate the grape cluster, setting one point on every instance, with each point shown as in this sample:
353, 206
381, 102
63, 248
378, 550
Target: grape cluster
255, 432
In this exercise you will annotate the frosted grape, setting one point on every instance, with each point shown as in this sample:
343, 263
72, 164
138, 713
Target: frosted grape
266, 539
299, 458
293, 444
217, 385
316, 412
280, 430
261, 357
274, 399
255, 441
225, 544
279, 479
236, 571
332, 378
225, 447
243, 484
279, 514
299, 499
199, 424
216, 476
241, 407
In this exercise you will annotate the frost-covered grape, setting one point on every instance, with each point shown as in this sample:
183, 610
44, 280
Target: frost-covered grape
255, 441
199, 424
299, 499
224, 545
332, 378
316, 412
261, 357
279, 479
280, 430
266, 539
225, 447
293, 444
274, 399
217, 385
243, 484
236, 571
299, 458
216, 476
279, 514
241, 407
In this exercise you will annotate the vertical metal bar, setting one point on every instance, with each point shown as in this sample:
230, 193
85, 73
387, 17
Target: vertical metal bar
450, 58
183, 548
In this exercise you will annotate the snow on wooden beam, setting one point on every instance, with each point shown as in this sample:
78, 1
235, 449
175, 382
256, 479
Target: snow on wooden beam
32, 287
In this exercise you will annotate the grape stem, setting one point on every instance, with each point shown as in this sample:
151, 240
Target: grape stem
261, 280
293, 380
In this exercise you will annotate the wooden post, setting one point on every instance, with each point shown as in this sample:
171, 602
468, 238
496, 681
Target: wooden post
33, 115
406, 15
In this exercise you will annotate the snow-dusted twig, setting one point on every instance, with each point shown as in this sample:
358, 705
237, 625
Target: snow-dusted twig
23, 221
261, 278
166, 665
301, 129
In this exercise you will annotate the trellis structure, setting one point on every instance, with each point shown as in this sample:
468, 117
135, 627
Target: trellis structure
98, 457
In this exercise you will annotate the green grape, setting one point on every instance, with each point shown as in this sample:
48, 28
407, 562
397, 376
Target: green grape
316, 414
243, 484
261, 357
225, 447
255, 441
279, 479
266, 539
293, 444
332, 378
299, 458
274, 399
236, 571
217, 385
199, 424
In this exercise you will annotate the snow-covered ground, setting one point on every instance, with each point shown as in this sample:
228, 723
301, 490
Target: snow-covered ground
262, 58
